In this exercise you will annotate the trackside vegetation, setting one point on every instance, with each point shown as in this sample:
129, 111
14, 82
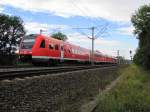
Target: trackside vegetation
141, 23
11, 31
131, 93
59, 36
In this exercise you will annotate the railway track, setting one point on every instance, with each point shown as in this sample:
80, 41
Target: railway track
12, 73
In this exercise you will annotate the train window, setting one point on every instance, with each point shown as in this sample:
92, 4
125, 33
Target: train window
56, 47
51, 46
62, 48
42, 45
28, 42
75, 51
72, 51
69, 51
78, 52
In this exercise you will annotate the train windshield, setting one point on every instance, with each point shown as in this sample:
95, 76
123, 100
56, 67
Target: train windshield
28, 42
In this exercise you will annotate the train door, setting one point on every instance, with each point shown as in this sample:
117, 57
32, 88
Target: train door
61, 52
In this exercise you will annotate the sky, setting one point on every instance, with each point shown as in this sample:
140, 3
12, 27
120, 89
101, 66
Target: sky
111, 19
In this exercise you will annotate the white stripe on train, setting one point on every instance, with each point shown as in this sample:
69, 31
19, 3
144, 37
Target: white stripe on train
49, 57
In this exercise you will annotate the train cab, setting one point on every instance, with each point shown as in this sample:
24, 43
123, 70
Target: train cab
47, 50
26, 45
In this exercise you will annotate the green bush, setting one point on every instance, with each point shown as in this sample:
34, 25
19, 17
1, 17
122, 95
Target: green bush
7, 60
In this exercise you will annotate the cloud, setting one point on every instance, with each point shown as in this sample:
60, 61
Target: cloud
35, 27
107, 42
1, 9
105, 46
116, 10
77, 39
126, 31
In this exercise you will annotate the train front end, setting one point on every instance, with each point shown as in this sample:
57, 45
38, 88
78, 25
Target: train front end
26, 45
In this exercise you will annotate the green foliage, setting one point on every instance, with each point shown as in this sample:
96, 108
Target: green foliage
131, 94
8, 59
141, 22
59, 36
11, 30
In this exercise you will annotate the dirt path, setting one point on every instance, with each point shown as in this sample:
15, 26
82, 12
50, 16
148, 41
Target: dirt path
91, 106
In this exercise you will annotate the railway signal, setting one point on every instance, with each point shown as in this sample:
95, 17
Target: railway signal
131, 55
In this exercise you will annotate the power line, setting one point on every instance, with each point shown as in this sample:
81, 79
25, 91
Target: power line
92, 38
81, 10
84, 10
81, 32
102, 31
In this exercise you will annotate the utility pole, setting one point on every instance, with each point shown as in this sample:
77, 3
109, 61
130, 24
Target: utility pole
92, 38
41, 31
92, 58
118, 54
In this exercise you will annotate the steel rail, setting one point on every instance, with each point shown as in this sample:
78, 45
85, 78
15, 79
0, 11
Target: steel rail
20, 73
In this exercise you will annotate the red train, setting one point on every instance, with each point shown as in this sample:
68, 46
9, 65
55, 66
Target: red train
42, 49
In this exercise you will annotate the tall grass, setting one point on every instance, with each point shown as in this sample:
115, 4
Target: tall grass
131, 94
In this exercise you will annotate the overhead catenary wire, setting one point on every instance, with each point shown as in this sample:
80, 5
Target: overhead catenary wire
102, 31
84, 11
101, 28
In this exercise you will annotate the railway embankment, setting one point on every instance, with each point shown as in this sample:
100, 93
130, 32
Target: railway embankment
62, 92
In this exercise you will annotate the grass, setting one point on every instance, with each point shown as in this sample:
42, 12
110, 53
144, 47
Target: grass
131, 94
23, 64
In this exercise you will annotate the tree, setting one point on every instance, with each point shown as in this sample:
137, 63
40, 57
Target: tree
141, 22
11, 30
59, 36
